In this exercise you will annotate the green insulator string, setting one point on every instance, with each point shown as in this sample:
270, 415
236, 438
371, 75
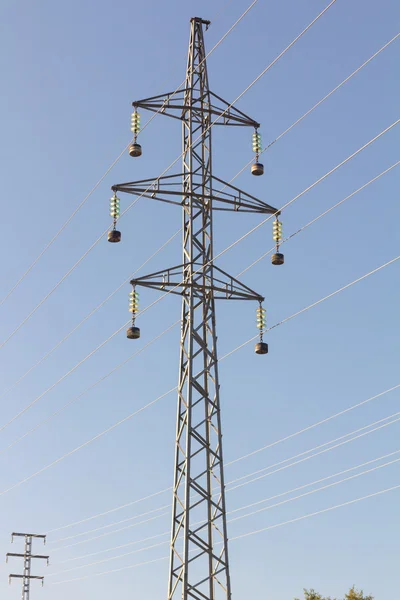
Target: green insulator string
135, 124
261, 320
277, 232
114, 209
257, 144
133, 304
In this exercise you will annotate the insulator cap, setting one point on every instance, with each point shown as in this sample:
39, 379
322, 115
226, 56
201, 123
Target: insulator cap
135, 150
277, 259
257, 169
114, 236
261, 348
133, 333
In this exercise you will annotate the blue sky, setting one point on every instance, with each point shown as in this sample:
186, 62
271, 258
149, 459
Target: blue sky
70, 72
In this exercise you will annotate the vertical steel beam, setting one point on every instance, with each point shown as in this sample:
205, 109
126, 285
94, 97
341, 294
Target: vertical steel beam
199, 565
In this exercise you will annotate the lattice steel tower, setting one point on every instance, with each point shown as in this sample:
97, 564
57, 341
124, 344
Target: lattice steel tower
27, 556
199, 566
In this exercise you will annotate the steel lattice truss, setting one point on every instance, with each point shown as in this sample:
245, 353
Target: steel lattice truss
27, 558
199, 566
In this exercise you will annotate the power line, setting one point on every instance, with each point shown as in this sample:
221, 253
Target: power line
88, 389
179, 230
99, 435
78, 208
106, 341
323, 214
308, 112
167, 169
243, 237
90, 314
107, 533
309, 515
316, 424
324, 487
220, 254
107, 512
318, 512
98, 562
147, 562
127, 418
146, 539
275, 443
381, 423
53, 239
232, 520
145, 514
246, 269
301, 454
390, 262
26, 408
310, 187
345, 287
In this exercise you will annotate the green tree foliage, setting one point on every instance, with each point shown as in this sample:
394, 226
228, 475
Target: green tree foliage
352, 594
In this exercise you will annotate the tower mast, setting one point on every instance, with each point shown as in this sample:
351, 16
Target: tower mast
199, 565
27, 556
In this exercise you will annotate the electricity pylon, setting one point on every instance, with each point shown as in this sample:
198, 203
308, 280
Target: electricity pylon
27, 556
199, 565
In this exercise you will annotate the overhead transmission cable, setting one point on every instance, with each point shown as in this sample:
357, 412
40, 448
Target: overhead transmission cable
256, 227
243, 535
313, 425
231, 462
308, 112
90, 314
88, 389
94, 188
380, 424
179, 230
220, 254
318, 512
128, 417
166, 170
303, 310
263, 509
395, 123
323, 214
280, 495
124, 362
292, 461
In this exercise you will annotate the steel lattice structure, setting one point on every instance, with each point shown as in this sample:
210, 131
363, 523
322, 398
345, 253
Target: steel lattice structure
27, 556
199, 565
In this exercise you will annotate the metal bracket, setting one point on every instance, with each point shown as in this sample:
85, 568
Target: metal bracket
223, 286
227, 198
178, 106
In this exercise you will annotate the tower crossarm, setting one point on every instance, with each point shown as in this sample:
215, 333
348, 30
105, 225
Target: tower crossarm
15, 576
169, 189
222, 286
31, 535
15, 555
175, 104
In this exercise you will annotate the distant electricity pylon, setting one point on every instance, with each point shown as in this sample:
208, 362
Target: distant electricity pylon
199, 565
27, 556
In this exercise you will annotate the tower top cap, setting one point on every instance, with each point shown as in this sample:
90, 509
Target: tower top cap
200, 20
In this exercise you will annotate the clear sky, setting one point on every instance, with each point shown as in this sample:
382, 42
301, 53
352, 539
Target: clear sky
69, 74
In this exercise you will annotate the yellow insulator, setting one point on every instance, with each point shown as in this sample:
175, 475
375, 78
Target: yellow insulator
277, 231
134, 302
114, 207
135, 122
261, 318
257, 145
